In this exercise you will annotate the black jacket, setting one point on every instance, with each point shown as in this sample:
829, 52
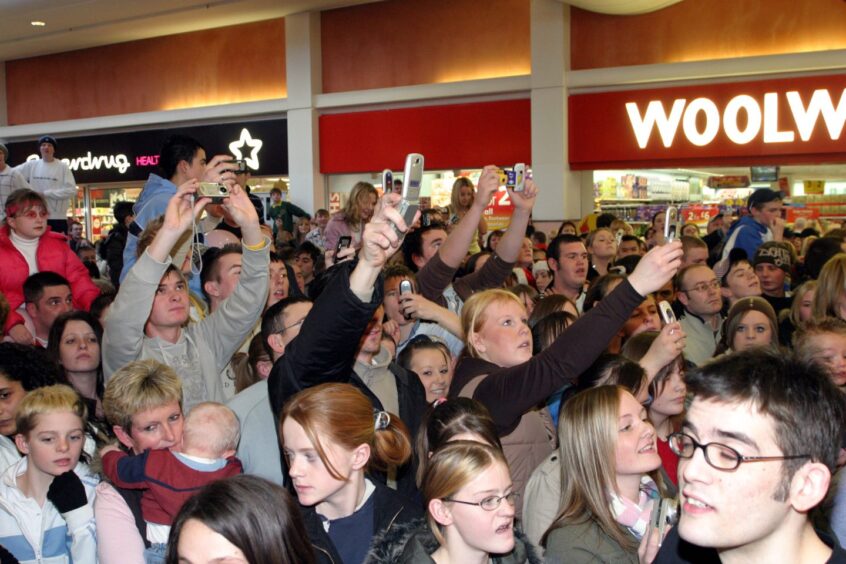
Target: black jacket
414, 542
325, 351
111, 250
390, 510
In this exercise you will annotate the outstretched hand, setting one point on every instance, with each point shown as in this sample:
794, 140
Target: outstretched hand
524, 200
487, 186
182, 210
380, 241
656, 268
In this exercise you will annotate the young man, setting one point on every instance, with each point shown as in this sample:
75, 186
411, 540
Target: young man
695, 251
698, 290
111, 250
568, 260
47, 295
415, 315
182, 159
773, 262
306, 257
764, 223
51, 178
281, 214
147, 317
436, 257
757, 449
630, 245
739, 281
10, 180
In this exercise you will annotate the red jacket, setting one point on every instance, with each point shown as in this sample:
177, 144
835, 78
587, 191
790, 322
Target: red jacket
53, 254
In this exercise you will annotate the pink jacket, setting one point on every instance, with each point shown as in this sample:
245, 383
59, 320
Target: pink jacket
53, 254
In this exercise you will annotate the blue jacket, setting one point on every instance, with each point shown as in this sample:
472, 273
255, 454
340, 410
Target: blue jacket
152, 203
747, 234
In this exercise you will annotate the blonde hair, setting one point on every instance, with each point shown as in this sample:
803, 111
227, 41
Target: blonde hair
355, 203
804, 343
343, 415
592, 235
48, 399
455, 196
831, 284
473, 315
587, 431
453, 466
139, 386
211, 428
798, 296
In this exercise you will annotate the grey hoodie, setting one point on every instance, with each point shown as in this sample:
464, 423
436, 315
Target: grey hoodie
203, 349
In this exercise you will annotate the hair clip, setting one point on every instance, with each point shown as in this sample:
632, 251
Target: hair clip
381, 420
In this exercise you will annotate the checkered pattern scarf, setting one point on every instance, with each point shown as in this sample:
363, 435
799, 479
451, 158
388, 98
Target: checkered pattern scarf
635, 516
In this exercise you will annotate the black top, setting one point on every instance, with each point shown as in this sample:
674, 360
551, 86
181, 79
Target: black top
674, 550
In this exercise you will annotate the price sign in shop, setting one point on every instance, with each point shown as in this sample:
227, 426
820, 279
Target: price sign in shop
699, 213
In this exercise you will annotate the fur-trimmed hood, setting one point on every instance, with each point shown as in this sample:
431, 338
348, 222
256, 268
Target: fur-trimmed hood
413, 543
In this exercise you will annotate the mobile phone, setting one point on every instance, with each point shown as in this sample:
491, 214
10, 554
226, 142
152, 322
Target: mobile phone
666, 312
405, 288
240, 166
387, 181
411, 180
618, 238
519, 177
671, 224
344, 241
663, 514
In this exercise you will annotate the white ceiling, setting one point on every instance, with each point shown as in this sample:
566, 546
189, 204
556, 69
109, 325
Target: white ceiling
78, 24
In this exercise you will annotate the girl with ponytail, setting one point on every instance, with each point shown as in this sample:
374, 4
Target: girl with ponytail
331, 436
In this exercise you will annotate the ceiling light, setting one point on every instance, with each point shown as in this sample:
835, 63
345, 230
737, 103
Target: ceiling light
37, 23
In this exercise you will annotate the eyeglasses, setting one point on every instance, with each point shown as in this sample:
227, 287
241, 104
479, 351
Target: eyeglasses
703, 287
490, 503
719, 456
33, 213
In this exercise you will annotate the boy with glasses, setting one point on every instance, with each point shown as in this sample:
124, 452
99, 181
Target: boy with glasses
757, 449
698, 290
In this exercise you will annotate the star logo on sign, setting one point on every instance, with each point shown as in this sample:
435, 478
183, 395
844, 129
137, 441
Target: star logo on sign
237, 149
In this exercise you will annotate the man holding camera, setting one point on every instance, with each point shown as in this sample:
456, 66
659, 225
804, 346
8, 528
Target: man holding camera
182, 160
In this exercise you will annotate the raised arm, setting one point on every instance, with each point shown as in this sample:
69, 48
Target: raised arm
509, 246
324, 350
511, 392
454, 249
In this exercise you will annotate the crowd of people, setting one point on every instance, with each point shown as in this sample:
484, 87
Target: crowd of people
216, 381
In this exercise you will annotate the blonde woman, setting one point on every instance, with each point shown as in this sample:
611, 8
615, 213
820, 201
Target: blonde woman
350, 221
470, 502
608, 482
461, 199
498, 368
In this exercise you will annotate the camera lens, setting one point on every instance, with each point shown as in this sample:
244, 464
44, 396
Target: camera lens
223, 189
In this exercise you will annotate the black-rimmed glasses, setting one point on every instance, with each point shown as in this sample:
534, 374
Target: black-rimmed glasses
719, 456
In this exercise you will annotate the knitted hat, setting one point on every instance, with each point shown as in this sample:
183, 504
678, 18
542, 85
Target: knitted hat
539, 266
774, 253
48, 139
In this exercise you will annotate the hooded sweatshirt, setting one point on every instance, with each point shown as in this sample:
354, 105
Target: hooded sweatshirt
202, 349
152, 203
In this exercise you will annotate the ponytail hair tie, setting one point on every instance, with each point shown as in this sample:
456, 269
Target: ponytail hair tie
382, 419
